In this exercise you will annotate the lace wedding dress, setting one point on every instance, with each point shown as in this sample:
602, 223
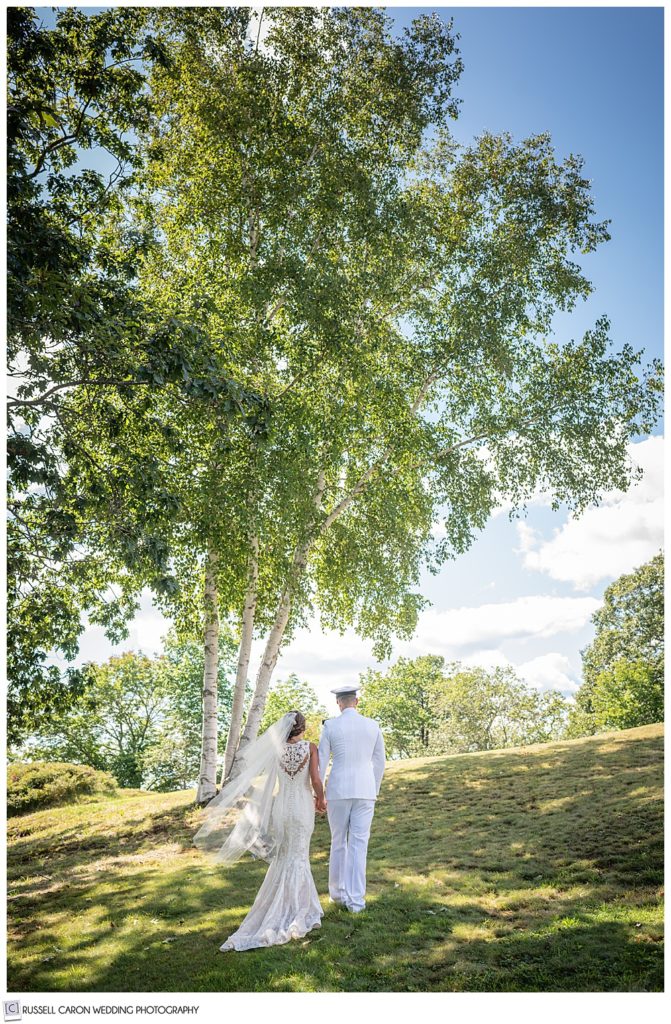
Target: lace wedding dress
287, 905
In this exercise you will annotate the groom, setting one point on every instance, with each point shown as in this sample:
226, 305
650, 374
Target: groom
353, 785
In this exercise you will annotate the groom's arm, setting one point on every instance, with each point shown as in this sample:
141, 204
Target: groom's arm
324, 751
378, 759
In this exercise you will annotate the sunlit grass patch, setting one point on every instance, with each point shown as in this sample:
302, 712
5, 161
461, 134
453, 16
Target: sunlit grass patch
533, 869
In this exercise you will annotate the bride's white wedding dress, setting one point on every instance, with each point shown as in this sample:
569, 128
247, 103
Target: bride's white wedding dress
287, 905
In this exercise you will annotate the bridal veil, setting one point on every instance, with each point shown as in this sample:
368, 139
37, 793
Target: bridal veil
238, 818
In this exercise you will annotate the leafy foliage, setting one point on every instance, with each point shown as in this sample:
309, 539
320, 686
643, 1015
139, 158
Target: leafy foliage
484, 710
173, 761
139, 718
389, 293
404, 700
307, 323
67, 91
623, 667
115, 722
85, 352
627, 695
294, 694
427, 707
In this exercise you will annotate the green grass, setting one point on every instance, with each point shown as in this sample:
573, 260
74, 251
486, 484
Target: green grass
534, 869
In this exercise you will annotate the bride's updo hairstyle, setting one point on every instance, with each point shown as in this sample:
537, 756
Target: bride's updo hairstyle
299, 727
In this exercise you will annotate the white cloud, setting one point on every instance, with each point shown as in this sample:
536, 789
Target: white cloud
487, 659
325, 659
457, 632
549, 671
470, 634
604, 542
527, 537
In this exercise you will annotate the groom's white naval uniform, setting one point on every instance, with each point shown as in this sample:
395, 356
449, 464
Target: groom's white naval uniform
357, 748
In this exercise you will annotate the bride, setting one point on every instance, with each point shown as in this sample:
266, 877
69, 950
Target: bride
268, 808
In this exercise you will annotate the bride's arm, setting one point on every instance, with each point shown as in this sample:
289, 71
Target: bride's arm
315, 779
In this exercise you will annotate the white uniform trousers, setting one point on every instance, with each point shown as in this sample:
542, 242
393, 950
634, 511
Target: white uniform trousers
350, 822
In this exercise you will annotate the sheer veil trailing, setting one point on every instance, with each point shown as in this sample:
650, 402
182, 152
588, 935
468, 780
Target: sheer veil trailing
238, 818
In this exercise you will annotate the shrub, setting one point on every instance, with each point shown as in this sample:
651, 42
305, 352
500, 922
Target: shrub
32, 786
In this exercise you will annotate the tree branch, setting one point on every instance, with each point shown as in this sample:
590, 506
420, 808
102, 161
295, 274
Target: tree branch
258, 34
113, 178
51, 148
12, 402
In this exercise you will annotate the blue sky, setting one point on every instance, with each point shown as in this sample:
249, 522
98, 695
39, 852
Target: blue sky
524, 593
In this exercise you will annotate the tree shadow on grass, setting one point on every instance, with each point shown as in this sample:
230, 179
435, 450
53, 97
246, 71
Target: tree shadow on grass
518, 871
574, 945
402, 942
407, 939
558, 807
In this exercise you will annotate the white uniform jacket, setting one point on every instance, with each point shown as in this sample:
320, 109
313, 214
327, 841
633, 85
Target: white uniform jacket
358, 756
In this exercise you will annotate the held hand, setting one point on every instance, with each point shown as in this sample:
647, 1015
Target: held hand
320, 805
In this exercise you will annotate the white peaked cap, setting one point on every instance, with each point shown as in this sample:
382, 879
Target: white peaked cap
351, 688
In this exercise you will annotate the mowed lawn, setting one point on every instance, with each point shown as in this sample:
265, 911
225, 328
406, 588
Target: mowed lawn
533, 869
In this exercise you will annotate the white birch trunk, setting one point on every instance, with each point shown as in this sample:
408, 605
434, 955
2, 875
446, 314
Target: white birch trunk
243, 661
270, 656
207, 781
274, 642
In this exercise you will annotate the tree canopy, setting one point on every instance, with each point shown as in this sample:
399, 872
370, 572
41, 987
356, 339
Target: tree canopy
85, 354
623, 667
390, 296
139, 718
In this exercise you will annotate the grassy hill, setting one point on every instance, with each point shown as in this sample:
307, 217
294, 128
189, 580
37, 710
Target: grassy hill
533, 869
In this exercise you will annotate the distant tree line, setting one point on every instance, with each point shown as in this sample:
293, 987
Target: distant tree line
140, 719
426, 706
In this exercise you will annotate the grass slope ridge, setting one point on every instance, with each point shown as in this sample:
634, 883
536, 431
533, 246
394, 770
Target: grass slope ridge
529, 869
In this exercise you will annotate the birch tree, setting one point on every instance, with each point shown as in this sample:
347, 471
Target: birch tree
208, 757
239, 226
389, 295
